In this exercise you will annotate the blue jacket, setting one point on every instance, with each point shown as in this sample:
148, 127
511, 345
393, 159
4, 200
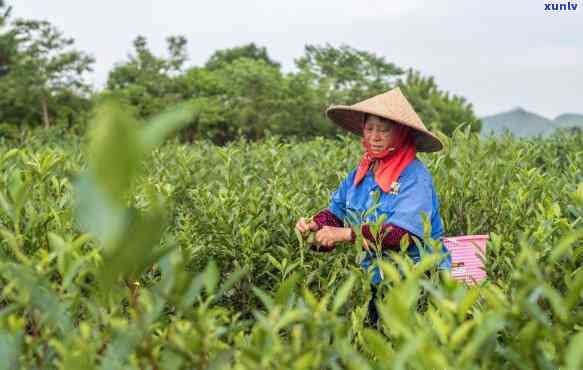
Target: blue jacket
415, 194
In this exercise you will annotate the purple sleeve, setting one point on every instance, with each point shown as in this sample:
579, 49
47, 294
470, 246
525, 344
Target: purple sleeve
327, 218
392, 233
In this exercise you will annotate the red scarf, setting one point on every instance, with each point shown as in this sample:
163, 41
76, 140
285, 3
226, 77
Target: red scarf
393, 160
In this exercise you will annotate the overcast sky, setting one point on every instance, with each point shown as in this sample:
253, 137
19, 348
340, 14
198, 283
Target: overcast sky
499, 54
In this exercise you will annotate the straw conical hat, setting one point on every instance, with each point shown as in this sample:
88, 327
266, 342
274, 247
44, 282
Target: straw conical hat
392, 105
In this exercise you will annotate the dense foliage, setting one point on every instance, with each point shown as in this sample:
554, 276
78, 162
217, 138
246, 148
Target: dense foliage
123, 252
243, 92
42, 75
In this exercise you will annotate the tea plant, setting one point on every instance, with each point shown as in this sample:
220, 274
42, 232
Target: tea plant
127, 250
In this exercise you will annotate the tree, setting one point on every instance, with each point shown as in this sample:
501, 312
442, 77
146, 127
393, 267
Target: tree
253, 89
346, 75
7, 42
241, 98
148, 82
225, 57
438, 109
242, 91
239, 92
299, 109
43, 67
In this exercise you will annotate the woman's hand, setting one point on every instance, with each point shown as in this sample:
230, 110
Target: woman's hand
329, 235
303, 226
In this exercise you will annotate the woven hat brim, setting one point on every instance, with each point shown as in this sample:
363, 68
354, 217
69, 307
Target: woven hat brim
351, 119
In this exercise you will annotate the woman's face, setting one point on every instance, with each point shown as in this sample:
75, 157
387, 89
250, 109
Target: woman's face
377, 132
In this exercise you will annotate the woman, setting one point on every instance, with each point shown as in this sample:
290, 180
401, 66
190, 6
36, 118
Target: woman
392, 135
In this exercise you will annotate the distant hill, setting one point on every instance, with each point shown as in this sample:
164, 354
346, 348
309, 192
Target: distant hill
522, 123
569, 120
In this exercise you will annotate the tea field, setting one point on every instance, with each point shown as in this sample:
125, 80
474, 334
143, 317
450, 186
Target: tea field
127, 249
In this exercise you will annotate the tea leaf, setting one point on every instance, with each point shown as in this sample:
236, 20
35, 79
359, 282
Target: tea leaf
573, 356
342, 293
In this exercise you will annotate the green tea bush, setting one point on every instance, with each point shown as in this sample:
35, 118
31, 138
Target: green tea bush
127, 250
